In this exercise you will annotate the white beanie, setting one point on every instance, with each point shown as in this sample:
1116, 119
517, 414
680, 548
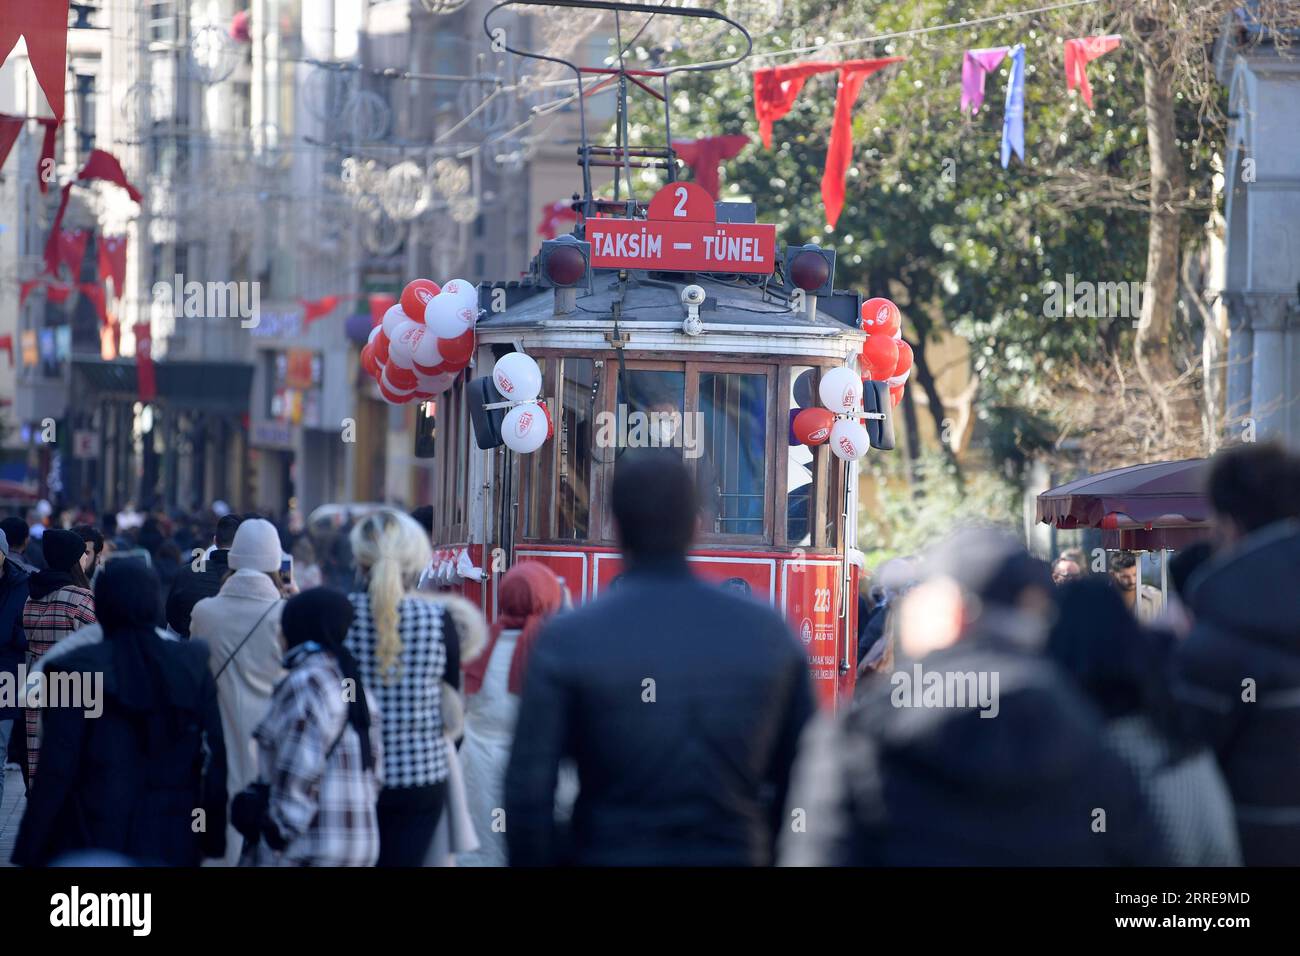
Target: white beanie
256, 546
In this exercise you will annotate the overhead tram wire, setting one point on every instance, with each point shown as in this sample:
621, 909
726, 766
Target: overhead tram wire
538, 112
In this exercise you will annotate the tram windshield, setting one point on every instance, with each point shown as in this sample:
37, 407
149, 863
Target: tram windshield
729, 422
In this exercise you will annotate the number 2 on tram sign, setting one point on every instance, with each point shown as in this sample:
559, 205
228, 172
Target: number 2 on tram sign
681, 234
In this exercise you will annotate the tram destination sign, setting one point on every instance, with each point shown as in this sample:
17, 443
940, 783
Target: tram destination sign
681, 234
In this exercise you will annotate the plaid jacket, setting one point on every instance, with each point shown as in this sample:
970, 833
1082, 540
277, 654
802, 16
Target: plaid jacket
415, 753
46, 622
321, 801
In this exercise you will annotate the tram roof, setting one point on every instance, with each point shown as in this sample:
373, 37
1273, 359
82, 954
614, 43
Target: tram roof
656, 297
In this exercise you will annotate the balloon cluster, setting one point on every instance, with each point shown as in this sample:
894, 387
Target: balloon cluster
527, 425
838, 422
885, 356
420, 344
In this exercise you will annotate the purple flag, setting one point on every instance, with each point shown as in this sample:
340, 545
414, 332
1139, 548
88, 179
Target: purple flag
974, 67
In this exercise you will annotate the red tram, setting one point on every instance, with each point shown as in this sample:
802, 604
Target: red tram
675, 321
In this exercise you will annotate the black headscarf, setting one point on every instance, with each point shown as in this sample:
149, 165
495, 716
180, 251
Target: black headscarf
324, 615
126, 606
63, 551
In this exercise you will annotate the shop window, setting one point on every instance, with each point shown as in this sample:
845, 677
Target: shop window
732, 469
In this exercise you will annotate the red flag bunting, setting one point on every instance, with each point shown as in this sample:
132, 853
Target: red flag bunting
146, 385
27, 288
45, 25
72, 250
102, 165
1077, 54
313, 309
552, 215
57, 292
839, 154
10, 127
775, 90
112, 262
704, 156
95, 293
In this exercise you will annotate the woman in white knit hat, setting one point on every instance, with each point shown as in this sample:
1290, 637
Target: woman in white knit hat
241, 626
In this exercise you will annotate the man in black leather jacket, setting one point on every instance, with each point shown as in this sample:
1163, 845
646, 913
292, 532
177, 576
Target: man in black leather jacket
681, 704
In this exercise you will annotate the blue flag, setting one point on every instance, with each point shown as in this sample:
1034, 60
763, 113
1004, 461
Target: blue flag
1013, 120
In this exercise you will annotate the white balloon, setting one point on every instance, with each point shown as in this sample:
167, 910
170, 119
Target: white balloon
392, 319
447, 317
402, 344
434, 384
840, 389
524, 428
517, 377
464, 292
897, 380
849, 439
425, 356
374, 334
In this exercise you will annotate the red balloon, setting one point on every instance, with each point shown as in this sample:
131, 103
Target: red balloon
879, 356
904, 358
550, 422
416, 295
381, 348
369, 363
881, 317
896, 394
400, 379
396, 398
456, 352
812, 426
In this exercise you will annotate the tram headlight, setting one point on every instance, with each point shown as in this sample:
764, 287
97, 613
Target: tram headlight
810, 268
564, 262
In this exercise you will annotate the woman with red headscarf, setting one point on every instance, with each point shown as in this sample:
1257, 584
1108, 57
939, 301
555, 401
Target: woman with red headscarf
530, 593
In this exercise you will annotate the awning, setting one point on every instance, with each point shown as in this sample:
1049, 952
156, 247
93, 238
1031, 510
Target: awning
202, 386
1163, 494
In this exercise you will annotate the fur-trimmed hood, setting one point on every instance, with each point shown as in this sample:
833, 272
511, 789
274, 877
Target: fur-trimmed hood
469, 622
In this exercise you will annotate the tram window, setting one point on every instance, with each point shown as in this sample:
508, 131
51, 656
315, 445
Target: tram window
801, 468
732, 471
462, 451
425, 429
651, 403
573, 440
536, 497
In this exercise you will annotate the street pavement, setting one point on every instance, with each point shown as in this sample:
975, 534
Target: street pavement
11, 811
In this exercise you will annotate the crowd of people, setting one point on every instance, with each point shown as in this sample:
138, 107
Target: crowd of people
1008, 711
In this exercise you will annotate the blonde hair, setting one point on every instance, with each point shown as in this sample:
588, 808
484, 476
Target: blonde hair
391, 549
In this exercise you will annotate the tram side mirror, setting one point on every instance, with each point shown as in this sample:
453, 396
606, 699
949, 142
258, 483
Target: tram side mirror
875, 401
480, 393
